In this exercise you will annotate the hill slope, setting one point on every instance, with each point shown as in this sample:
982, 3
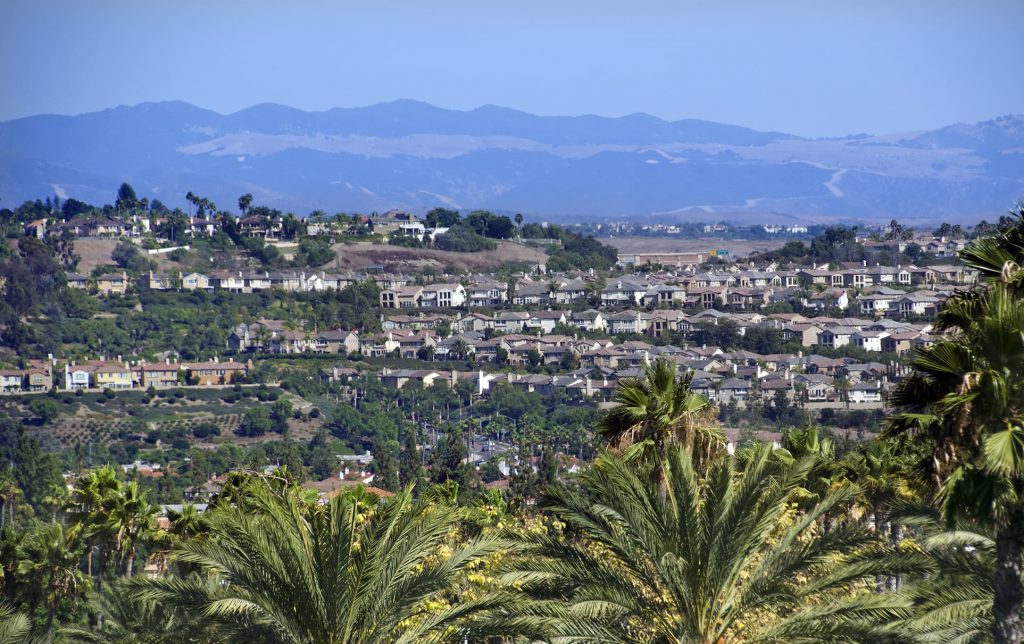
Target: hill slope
414, 155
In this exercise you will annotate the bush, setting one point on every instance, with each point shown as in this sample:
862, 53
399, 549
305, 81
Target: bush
109, 394
463, 239
255, 422
204, 430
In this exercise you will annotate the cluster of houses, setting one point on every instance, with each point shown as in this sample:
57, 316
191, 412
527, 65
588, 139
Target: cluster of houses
36, 376
723, 377
877, 291
118, 374
269, 228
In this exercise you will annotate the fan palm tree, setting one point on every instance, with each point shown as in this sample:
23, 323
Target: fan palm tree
9, 493
131, 520
50, 563
717, 558
282, 570
967, 396
89, 505
658, 410
14, 627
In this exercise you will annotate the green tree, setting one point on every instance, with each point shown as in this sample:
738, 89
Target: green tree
244, 202
385, 464
410, 467
127, 619
131, 520
352, 571
322, 462
256, 422
51, 566
657, 410
966, 396
44, 409
718, 558
14, 627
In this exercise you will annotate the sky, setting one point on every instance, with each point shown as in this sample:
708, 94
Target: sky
812, 68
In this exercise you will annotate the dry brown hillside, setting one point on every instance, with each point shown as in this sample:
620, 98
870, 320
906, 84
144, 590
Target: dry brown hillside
364, 254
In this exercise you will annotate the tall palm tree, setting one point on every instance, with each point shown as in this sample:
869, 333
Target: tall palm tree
967, 397
283, 570
9, 493
131, 520
50, 561
89, 506
720, 557
658, 410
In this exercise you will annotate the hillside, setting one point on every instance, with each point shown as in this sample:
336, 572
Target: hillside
413, 155
396, 258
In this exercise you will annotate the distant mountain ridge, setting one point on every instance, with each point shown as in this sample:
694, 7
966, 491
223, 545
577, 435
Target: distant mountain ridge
410, 154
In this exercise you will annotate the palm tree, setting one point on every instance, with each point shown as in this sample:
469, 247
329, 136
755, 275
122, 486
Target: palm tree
14, 627
89, 506
9, 493
717, 558
953, 600
50, 561
131, 520
128, 619
658, 410
244, 202
284, 570
967, 396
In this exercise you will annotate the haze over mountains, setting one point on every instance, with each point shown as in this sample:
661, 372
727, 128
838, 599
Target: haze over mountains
409, 154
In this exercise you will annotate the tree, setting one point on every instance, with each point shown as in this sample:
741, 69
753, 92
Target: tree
14, 627
322, 463
131, 520
719, 558
385, 464
244, 202
442, 218
448, 460
350, 571
90, 505
44, 409
410, 467
966, 396
51, 566
127, 619
255, 422
656, 410
126, 199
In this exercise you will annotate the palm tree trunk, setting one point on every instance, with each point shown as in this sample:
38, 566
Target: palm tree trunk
1007, 628
895, 582
131, 562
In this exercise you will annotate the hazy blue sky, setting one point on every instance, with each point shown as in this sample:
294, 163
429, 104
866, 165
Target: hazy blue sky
808, 67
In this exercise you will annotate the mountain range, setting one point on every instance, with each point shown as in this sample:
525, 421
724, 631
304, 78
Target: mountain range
408, 154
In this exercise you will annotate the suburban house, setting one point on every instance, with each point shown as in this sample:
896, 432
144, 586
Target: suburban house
159, 374
112, 284
216, 372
